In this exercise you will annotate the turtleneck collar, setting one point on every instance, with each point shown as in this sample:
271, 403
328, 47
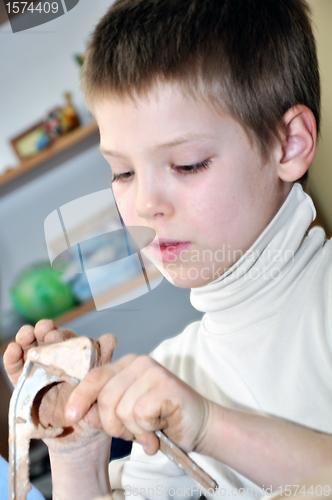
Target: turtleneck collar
256, 284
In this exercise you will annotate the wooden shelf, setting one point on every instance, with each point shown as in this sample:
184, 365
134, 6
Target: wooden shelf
57, 146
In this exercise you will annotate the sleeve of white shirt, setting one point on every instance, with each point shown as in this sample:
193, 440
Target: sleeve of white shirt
34, 494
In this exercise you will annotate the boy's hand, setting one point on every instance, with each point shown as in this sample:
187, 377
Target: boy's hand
136, 396
51, 409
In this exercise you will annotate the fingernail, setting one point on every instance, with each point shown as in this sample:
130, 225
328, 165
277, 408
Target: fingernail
72, 413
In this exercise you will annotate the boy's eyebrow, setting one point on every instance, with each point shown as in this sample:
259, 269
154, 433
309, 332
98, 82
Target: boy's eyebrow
161, 147
181, 140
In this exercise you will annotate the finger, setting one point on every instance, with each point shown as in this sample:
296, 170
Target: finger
47, 332
92, 418
56, 335
107, 344
120, 416
138, 386
153, 412
174, 406
123, 419
26, 337
13, 361
87, 391
150, 442
42, 328
161, 407
118, 397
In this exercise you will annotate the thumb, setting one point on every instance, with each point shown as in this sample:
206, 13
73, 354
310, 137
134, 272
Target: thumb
108, 343
92, 418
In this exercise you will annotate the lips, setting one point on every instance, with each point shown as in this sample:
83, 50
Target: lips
168, 250
167, 243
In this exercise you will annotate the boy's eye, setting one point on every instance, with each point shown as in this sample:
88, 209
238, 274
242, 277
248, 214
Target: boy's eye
122, 177
182, 169
192, 169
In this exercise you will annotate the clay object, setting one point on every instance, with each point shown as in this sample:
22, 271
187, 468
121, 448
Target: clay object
67, 361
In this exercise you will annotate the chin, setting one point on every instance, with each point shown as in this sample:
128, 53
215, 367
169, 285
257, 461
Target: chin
183, 278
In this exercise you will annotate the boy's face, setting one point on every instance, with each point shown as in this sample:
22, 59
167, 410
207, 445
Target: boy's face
192, 174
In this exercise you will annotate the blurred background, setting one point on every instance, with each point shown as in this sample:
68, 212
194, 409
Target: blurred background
49, 157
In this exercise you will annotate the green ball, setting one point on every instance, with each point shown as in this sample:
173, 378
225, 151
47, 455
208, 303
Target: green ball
40, 294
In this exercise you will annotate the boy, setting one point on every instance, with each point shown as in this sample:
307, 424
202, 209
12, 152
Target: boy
208, 114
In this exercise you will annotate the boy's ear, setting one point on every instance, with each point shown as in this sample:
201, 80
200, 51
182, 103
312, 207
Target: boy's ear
299, 145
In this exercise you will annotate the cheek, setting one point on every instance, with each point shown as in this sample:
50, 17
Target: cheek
210, 206
126, 206
217, 216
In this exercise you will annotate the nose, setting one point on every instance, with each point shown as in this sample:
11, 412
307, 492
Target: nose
151, 197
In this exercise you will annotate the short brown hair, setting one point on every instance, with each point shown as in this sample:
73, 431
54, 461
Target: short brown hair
256, 58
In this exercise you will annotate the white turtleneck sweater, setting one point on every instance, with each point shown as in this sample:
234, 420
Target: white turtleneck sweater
264, 345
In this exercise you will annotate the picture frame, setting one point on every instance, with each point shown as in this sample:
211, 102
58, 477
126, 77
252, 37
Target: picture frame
31, 141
